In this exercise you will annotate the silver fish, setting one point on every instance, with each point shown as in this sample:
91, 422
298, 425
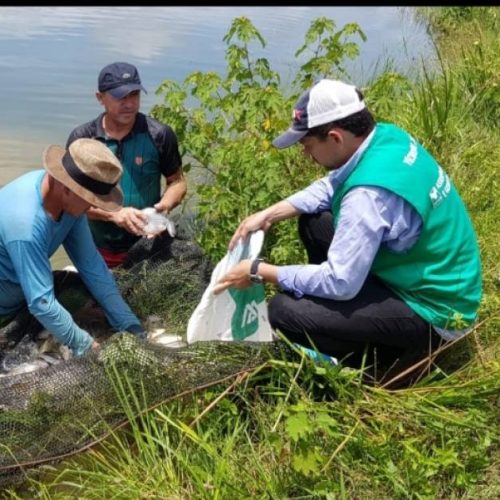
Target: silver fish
159, 336
157, 222
50, 360
29, 366
24, 352
29, 355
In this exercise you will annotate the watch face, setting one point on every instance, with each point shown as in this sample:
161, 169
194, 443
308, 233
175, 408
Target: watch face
256, 278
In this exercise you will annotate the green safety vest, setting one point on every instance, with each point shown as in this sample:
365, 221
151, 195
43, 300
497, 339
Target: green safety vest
440, 276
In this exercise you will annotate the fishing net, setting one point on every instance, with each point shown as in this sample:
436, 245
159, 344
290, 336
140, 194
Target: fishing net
63, 408
52, 413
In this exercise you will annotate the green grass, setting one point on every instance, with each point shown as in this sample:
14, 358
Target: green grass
299, 430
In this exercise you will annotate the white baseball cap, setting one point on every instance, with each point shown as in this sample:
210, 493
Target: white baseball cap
324, 102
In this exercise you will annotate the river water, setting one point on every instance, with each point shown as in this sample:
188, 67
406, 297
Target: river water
50, 58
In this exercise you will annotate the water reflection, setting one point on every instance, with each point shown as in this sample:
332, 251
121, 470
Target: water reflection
50, 58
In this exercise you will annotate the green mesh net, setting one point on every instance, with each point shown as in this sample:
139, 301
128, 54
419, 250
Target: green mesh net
62, 409
51, 413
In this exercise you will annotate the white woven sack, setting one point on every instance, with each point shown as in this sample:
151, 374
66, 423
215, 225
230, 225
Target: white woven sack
234, 314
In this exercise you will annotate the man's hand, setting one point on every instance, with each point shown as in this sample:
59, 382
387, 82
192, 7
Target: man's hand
137, 330
162, 207
237, 277
175, 191
95, 346
131, 219
263, 220
254, 222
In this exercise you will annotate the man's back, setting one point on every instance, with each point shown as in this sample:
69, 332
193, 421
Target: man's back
20, 221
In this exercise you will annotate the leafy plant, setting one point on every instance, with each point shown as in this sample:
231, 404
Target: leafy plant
226, 124
273, 434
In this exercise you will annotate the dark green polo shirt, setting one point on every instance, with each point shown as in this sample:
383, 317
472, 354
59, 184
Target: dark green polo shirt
149, 151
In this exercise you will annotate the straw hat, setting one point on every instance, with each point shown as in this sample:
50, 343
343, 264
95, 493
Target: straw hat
90, 169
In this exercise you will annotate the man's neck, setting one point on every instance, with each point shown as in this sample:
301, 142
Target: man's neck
115, 130
51, 198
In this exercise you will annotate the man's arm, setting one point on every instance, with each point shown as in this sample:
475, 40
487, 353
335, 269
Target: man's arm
35, 276
368, 217
132, 219
340, 277
314, 198
98, 279
175, 192
129, 218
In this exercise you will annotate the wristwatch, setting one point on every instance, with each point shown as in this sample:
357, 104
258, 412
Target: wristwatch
254, 277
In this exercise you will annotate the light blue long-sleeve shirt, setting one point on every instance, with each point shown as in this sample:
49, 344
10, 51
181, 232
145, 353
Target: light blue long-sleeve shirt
28, 238
369, 217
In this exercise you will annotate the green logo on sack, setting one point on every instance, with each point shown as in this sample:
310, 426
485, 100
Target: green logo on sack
245, 320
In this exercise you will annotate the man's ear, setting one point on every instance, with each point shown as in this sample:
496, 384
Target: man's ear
98, 96
336, 135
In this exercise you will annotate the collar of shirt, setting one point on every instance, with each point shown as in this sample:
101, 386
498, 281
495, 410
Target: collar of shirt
100, 133
337, 177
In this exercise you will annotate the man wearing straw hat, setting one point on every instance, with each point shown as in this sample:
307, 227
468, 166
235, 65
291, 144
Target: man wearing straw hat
42, 210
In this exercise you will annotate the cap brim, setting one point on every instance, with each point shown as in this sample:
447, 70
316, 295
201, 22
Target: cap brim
125, 90
289, 138
52, 161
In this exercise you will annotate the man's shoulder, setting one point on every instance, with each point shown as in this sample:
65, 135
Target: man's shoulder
20, 221
89, 129
156, 128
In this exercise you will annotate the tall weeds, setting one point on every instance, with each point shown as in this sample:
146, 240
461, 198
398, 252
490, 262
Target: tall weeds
301, 430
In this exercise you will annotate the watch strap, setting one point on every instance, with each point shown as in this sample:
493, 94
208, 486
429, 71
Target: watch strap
254, 266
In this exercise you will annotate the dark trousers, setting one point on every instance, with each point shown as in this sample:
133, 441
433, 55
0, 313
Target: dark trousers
70, 292
375, 327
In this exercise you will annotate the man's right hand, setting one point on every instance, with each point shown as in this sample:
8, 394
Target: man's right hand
254, 222
263, 220
131, 219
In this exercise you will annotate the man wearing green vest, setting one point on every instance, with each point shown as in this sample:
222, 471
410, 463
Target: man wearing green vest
394, 267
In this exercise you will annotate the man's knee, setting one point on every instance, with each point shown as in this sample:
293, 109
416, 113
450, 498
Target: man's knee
280, 311
303, 222
320, 222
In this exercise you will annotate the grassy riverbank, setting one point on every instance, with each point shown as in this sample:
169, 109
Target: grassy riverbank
299, 430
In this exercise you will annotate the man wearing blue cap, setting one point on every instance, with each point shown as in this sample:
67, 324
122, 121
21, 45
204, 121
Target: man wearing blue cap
147, 150
394, 267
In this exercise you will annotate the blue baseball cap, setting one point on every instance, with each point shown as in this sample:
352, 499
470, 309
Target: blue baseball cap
324, 102
119, 79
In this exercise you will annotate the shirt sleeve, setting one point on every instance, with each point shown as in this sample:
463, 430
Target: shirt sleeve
317, 197
366, 220
73, 136
82, 131
32, 265
170, 158
98, 279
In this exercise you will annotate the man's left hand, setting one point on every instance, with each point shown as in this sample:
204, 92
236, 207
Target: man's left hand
237, 277
137, 330
162, 208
